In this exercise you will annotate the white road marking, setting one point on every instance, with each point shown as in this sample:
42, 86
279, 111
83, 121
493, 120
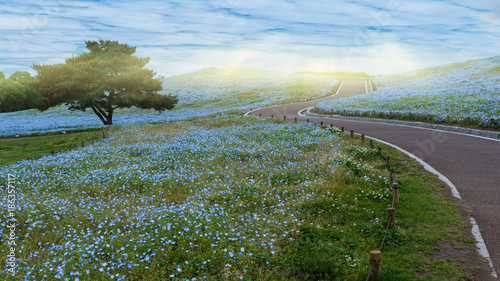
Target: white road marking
338, 90
426, 166
481, 246
340, 87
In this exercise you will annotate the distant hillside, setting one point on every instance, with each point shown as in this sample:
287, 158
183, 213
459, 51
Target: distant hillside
338, 73
203, 92
459, 90
216, 87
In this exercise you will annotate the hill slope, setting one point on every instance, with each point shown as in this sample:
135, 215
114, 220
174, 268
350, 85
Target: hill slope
200, 93
460, 90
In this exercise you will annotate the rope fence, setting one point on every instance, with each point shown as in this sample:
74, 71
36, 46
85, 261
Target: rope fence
375, 256
374, 272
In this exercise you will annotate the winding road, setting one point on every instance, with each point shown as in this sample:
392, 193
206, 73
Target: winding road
471, 164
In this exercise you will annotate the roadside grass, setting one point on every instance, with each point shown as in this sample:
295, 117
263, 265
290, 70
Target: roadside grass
229, 198
15, 150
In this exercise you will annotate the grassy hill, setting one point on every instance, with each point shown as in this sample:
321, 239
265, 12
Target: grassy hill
200, 93
459, 90
243, 88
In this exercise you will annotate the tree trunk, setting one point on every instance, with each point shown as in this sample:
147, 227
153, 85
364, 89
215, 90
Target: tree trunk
106, 119
99, 114
109, 118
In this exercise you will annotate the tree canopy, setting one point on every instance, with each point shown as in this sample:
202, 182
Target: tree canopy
22, 77
16, 93
104, 79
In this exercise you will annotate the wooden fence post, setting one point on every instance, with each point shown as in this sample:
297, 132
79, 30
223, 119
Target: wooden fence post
375, 258
448, 119
69, 148
83, 143
393, 174
427, 117
321, 123
272, 115
388, 160
391, 214
295, 119
307, 120
371, 143
395, 192
342, 129
260, 114
352, 133
284, 118
468, 120
52, 152
92, 141
363, 137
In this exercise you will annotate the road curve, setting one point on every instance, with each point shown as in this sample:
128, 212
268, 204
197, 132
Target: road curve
470, 163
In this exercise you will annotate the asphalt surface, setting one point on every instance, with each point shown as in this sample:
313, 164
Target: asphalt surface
472, 164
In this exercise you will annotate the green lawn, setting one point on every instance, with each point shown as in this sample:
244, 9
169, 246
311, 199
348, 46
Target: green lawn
15, 150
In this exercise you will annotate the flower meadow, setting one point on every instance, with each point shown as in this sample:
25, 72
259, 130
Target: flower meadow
200, 93
214, 198
245, 88
461, 90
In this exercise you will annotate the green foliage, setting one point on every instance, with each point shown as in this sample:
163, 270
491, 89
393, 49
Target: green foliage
17, 95
23, 77
2, 76
106, 78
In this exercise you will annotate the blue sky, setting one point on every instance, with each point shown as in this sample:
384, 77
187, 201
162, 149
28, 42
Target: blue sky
378, 37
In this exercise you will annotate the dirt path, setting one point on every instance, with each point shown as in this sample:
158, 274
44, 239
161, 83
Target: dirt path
471, 164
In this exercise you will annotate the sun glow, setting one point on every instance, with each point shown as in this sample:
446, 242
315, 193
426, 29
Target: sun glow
386, 58
391, 58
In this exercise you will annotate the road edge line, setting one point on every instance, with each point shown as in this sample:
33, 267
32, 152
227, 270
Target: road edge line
338, 90
481, 245
382, 121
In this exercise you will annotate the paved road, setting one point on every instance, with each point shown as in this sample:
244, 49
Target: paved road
472, 164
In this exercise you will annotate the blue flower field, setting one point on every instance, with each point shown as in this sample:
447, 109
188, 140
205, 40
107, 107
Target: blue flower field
461, 90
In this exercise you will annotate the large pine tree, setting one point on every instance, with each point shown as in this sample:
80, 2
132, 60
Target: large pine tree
106, 78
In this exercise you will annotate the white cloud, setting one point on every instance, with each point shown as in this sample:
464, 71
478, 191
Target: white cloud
182, 36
